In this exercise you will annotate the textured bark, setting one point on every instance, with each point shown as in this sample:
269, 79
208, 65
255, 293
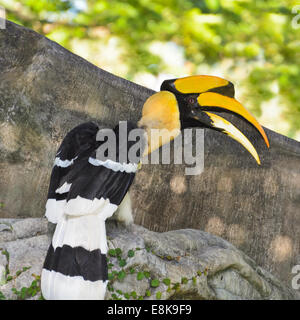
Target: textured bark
45, 91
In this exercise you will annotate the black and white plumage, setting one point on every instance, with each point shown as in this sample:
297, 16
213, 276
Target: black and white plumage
83, 193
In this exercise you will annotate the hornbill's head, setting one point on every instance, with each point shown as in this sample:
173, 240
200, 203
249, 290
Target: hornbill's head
192, 102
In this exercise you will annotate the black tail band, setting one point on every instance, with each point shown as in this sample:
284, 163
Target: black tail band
91, 265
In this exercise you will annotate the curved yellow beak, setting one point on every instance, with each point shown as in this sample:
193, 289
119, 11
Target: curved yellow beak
214, 94
218, 101
233, 132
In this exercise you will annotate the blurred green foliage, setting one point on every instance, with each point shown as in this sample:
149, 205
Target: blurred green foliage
259, 33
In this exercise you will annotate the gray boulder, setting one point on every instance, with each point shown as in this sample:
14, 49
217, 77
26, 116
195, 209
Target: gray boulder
179, 264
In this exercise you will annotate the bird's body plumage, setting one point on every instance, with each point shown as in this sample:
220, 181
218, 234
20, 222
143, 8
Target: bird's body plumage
84, 191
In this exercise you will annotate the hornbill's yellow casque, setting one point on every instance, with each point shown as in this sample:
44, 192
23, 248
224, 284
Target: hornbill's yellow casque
85, 190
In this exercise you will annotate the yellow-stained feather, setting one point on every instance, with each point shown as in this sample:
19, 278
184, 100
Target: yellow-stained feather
161, 119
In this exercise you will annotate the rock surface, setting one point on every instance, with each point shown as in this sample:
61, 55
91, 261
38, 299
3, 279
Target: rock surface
180, 264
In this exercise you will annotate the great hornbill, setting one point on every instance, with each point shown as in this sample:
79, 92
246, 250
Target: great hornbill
84, 191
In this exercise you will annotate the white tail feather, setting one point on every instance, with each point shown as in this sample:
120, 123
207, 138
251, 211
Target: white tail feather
56, 286
86, 231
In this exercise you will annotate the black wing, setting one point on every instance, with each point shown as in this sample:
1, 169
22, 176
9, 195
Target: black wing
80, 182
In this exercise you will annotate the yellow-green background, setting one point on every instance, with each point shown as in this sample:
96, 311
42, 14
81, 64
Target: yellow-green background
252, 43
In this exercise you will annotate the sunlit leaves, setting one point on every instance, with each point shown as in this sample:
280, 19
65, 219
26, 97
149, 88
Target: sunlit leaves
257, 35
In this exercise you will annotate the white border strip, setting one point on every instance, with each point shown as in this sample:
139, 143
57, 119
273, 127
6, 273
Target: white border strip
63, 163
115, 166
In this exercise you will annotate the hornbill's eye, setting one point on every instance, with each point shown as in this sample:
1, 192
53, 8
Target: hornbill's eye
191, 100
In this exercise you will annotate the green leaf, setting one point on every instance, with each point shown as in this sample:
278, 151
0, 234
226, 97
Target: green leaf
130, 253
140, 275
114, 296
176, 286
122, 263
133, 294
147, 274
213, 5
2, 296
29, 291
121, 275
25, 269
167, 281
148, 293
184, 280
110, 288
112, 252
110, 276
127, 295
9, 278
132, 270
154, 283
118, 251
158, 295
23, 293
34, 283
24, 289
